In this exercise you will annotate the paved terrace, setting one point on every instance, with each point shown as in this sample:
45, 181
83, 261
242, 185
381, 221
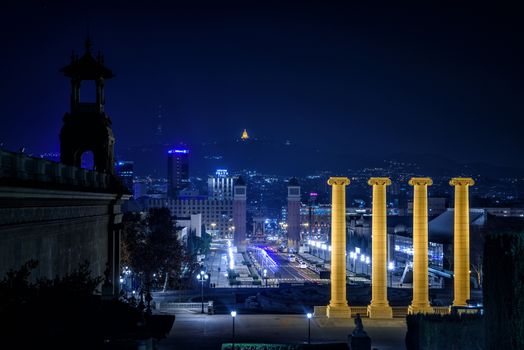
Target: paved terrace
196, 331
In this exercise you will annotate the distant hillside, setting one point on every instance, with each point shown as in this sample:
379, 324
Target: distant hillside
285, 158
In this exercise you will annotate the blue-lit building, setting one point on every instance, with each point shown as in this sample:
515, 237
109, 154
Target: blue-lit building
125, 170
177, 171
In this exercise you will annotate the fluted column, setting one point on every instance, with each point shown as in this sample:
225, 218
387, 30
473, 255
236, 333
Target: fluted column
461, 241
338, 306
420, 301
379, 307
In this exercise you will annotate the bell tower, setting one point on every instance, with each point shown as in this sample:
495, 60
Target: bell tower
87, 128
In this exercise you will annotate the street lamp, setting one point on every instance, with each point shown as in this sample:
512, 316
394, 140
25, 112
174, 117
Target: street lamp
309, 315
213, 225
362, 260
233, 315
265, 276
202, 277
368, 261
391, 267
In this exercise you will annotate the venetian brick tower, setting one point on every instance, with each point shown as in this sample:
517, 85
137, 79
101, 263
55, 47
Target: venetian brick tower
239, 214
293, 214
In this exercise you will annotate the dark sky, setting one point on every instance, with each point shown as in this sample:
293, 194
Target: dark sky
362, 76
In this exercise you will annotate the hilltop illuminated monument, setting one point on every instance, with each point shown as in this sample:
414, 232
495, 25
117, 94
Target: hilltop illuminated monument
244, 136
379, 307
461, 287
338, 306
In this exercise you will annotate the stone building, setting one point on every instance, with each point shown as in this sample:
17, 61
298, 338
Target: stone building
59, 213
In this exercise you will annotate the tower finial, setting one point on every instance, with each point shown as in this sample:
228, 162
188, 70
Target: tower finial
88, 44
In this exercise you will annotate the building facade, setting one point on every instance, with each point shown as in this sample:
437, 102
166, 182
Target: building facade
125, 171
220, 186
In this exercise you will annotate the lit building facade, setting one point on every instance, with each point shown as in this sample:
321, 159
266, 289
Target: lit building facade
220, 186
124, 170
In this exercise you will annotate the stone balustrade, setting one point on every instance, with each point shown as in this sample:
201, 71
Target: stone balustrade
19, 167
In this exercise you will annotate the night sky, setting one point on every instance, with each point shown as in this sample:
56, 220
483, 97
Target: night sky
373, 79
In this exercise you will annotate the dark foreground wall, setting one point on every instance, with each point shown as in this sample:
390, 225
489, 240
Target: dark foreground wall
60, 229
504, 290
59, 215
454, 332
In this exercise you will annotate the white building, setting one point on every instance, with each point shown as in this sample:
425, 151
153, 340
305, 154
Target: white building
216, 214
192, 222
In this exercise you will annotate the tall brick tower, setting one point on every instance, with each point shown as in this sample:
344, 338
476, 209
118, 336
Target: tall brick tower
293, 214
239, 214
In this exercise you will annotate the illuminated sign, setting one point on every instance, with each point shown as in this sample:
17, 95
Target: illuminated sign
183, 151
262, 346
221, 173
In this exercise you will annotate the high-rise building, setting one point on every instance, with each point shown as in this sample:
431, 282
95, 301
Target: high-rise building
220, 186
293, 214
177, 171
124, 170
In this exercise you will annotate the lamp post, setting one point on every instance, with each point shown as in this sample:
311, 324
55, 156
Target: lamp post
233, 315
309, 315
362, 260
202, 277
391, 267
265, 276
213, 226
368, 261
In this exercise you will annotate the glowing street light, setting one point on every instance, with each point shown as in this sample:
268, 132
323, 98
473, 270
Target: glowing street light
202, 277
233, 316
309, 315
391, 267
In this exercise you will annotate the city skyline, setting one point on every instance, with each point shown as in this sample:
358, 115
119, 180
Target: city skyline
341, 79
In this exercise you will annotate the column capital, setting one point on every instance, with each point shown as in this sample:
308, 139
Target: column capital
418, 181
338, 181
381, 181
462, 181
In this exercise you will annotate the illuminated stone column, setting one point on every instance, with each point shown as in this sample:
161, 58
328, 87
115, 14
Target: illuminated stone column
379, 307
461, 241
338, 306
420, 301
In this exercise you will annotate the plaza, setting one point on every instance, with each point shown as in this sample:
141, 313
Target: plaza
210, 331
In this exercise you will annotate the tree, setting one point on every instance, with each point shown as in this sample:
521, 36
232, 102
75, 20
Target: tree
151, 245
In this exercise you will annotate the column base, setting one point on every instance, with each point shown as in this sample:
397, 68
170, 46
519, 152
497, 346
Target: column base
380, 311
320, 311
342, 311
420, 309
459, 303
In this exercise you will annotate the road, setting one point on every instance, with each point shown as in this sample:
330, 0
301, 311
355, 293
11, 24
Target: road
291, 270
